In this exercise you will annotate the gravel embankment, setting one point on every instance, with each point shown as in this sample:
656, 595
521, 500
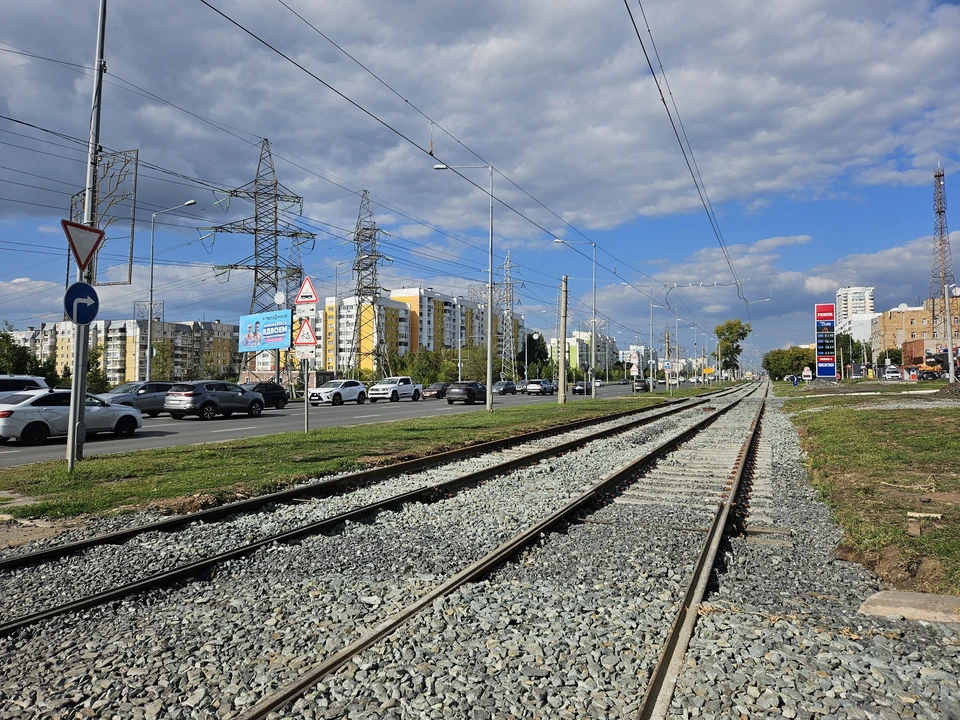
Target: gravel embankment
781, 636
206, 649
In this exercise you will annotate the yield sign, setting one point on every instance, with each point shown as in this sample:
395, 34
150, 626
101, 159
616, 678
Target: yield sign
84, 241
305, 336
307, 294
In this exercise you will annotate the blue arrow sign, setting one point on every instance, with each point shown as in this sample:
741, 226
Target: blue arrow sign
81, 303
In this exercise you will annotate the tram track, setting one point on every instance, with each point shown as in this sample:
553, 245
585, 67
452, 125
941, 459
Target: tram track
504, 457
295, 581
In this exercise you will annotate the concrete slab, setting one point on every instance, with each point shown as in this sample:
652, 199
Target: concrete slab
913, 606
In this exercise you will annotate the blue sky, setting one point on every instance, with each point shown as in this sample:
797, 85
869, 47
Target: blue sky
816, 126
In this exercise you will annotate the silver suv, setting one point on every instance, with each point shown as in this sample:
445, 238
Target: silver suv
10, 384
209, 398
147, 397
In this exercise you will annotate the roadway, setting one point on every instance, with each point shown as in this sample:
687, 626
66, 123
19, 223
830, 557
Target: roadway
164, 431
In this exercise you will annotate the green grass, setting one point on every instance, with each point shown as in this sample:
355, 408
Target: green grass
785, 389
263, 464
873, 466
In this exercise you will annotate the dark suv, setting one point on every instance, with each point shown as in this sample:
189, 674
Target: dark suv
209, 398
10, 384
273, 394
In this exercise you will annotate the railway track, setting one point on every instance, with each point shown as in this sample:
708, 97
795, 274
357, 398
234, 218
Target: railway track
318, 571
170, 563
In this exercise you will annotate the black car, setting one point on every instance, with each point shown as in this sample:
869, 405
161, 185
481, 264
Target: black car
928, 375
641, 386
272, 393
437, 390
582, 388
469, 392
623, 381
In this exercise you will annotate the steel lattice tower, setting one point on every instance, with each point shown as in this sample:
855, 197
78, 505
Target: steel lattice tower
271, 272
941, 270
368, 334
508, 345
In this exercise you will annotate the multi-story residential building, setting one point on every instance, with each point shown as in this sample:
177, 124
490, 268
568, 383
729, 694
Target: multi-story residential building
338, 332
893, 328
854, 301
193, 346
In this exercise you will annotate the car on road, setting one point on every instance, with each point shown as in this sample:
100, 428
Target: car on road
598, 383
337, 392
892, 372
395, 389
469, 392
505, 387
641, 386
274, 395
522, 386
540, 387
14, 383
437, 390
147, 397
208, 398
31, 416
623, 381
582, 388
928, 375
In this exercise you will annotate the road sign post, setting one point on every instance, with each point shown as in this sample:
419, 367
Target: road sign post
306, 348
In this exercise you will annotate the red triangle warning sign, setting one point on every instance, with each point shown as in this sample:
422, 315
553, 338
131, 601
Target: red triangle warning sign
307, 294
84, 241
305, 336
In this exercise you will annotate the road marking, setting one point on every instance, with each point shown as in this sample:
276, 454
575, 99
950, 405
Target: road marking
366, 416
151, 425
251, 427
8, 452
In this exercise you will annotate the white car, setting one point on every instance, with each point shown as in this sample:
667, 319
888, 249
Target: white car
337, 392
892, 372
34, 415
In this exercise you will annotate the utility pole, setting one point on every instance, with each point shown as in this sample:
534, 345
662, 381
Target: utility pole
368, 327
76, 431
508, 352
941, 270
562, 349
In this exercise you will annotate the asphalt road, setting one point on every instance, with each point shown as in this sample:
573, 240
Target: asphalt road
164, 431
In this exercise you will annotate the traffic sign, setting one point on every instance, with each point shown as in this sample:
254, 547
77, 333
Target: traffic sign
306, 352
307, 294
305, 336
807, 375
81, 304
84, 241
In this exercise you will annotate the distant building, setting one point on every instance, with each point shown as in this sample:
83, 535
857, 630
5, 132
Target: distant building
893, 329
854, 301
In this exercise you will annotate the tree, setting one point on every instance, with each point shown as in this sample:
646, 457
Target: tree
789, 361
96, 378
729, 336
162, 366
475, 363
895, 355
539, 356
14, 359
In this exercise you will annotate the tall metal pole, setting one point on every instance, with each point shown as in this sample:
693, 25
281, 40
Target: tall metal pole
459, 343
650, 349
489, 392
76, 432
306, 395
593, 327
562, 349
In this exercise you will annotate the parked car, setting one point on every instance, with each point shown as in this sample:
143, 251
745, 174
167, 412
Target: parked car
928, 375
209, 398
505, 387
147, 397
582, 388
892, 372
273, 394
337, 392
34, 415
522, 386
437, 390
13, 383
641, 385
469, 392
540, 387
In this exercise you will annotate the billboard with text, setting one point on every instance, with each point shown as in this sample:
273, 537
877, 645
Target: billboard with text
266, 331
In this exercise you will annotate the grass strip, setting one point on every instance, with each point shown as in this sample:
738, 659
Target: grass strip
257, 465
873, 466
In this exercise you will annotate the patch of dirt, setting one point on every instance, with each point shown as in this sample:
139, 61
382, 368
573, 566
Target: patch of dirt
921, 574
18, 532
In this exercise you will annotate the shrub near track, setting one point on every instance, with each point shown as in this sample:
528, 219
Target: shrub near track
225, 471
873, 466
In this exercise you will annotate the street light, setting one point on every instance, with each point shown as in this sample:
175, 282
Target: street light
188, 203
489, 392
593, 318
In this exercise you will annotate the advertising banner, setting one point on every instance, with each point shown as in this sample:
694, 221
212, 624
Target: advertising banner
825, 323
266, 331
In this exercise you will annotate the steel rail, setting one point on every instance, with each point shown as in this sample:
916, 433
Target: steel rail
429, 493
663, 679
277, 700
323, 488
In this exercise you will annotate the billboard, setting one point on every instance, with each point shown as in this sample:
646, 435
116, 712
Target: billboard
825, 317
266, 331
